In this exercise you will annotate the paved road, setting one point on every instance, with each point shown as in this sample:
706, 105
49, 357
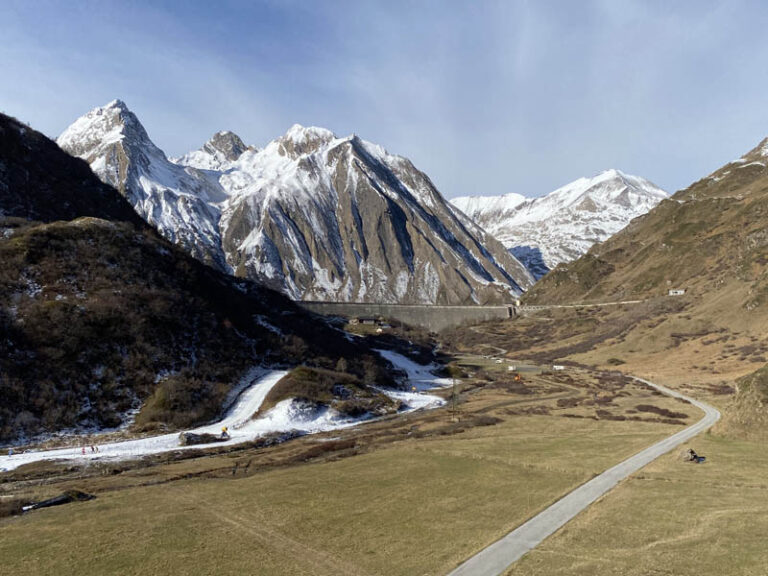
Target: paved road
497, 557
534, 307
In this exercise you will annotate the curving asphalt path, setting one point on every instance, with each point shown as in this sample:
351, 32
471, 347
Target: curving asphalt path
497, 557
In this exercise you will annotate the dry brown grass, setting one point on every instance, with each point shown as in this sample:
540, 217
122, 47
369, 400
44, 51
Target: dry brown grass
670, 518
405, 495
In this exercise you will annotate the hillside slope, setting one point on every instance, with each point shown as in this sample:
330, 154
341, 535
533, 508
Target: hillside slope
99, 316
38, 182
710, 239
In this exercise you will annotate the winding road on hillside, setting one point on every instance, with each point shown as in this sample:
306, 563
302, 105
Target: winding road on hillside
497, 557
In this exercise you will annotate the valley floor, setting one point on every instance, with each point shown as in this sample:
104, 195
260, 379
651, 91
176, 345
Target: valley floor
671, 518
414, 494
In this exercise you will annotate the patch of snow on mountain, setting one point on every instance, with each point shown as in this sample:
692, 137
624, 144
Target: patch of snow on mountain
473, 206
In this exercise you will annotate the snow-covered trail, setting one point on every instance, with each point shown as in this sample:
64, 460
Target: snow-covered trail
244, 407
252, 390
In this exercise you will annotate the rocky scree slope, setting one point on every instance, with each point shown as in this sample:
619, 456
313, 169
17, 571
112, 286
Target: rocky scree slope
312, 215
99, 316
564, 224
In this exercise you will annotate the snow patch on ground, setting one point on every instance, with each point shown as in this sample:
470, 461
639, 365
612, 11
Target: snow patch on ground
244, 401
243, 407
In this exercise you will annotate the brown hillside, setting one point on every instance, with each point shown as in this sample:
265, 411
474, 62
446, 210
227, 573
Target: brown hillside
710, 240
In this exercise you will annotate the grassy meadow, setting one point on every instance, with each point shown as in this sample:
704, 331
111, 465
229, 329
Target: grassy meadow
671, 518
413, 494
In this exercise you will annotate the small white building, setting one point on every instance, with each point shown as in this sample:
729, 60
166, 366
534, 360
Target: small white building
676, 292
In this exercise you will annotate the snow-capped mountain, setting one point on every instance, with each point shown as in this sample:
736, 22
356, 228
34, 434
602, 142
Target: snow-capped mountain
181, 202
564, 224
316, 216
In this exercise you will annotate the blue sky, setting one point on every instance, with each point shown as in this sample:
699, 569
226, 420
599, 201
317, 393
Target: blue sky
485, 97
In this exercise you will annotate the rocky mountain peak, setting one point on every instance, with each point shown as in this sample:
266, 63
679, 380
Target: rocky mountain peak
300, 140
117, 104
312, 215
221, 150
102, 127
178, 201
226, 143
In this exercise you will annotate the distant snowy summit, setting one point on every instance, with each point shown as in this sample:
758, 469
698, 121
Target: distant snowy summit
313, 215
218, 154
564, 224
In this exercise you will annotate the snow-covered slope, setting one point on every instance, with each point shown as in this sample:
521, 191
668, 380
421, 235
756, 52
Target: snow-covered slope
563, 225
476, 206
181, 202
329, 218
289, 415
313, 215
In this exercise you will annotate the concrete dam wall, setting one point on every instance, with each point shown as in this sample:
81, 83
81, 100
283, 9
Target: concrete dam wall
434, 318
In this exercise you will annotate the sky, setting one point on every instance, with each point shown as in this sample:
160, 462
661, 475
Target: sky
486, 97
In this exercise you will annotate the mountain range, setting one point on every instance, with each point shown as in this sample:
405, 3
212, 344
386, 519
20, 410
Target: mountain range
313, 215
564, 224
707, 238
